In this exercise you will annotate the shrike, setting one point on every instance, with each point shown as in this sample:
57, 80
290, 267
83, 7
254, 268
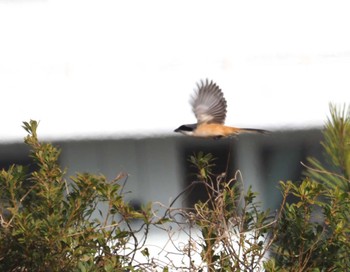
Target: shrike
209, 107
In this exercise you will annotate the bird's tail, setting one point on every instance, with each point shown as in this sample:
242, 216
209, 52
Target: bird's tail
254, 130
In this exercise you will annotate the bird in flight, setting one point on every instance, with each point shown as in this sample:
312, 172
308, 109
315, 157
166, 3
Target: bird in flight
209, 107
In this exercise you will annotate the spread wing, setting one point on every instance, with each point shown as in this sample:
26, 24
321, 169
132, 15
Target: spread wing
208, 103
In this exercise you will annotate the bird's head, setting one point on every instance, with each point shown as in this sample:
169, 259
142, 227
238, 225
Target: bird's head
186, 129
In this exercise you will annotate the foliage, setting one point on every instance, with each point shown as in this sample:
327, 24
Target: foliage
336, 146
48, 224
85, 224
314, 231
234, 229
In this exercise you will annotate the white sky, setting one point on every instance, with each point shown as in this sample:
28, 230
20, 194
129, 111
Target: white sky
94, 68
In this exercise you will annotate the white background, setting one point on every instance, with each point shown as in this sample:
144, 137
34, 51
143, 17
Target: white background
127, 68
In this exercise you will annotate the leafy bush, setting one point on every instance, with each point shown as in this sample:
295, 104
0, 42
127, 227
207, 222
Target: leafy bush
314, 232
47, 224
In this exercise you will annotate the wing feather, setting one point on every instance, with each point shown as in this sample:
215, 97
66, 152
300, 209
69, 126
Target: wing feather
208, 103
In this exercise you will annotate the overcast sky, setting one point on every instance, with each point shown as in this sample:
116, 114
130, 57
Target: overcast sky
127, 68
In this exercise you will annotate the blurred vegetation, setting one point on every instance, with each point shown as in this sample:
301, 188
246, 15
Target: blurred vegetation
49, 223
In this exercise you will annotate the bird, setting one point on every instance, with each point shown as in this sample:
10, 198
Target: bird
210, 107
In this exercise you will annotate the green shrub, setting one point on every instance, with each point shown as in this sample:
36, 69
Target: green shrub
49, 224
314, 232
